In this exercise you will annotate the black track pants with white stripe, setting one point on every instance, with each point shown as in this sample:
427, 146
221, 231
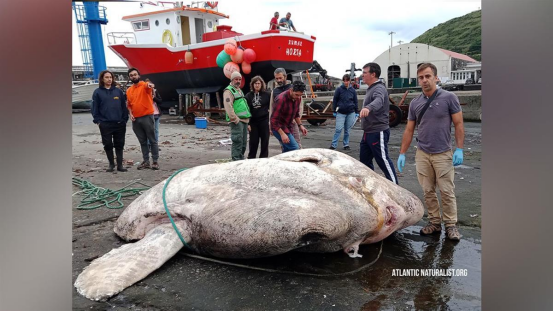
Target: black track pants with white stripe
375, 145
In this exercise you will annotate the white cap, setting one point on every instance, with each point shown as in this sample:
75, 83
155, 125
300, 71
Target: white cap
235, 74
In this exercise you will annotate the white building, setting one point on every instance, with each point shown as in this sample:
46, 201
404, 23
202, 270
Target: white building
401, 61
471, 70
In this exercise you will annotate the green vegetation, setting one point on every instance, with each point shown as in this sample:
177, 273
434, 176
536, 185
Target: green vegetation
460, 34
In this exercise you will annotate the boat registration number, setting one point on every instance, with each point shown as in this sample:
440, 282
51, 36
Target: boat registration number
293, 52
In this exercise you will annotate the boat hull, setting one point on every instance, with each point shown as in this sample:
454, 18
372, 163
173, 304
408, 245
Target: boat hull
165, 66
81, 96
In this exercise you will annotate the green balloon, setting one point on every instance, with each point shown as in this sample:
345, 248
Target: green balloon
222, 59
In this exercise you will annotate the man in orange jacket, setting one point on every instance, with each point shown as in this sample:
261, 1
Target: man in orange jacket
141, 111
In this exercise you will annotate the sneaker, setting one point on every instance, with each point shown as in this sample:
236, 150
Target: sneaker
452, 233
332, 148
155, 166
347, 148
430, 228
143, 165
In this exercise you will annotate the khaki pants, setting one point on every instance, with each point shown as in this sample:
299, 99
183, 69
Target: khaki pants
437, 170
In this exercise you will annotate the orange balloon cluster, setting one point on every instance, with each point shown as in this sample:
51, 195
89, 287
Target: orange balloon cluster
238, 56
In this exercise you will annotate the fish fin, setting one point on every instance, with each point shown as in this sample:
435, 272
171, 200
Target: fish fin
128, 264
352, 251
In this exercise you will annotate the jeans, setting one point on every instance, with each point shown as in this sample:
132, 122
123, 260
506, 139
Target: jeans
286, 147
345, 122
297, 134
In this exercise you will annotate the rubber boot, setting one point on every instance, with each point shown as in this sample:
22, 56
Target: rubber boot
109, 154
119, 155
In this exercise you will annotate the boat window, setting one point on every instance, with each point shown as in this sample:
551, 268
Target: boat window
178, 19
210, 24
167, 21
141, 25
157, 23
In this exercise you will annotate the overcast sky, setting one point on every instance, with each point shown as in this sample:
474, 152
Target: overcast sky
346, 31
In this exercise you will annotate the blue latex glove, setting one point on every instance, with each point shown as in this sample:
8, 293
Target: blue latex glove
334, 114
458, 157
401, 162
357, 116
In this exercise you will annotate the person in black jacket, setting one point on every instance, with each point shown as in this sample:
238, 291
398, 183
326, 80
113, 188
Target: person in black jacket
109, 112
258, 102
345, 109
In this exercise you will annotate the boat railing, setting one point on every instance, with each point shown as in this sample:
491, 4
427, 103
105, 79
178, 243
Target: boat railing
78, 83
286, 28
121, 38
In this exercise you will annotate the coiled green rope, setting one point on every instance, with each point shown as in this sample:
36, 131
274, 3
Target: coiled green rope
94, 194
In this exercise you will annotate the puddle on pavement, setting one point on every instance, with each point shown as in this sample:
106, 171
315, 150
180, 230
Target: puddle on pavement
405, 249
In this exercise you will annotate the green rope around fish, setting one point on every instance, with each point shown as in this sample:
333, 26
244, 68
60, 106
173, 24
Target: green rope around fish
167, 210
103, 196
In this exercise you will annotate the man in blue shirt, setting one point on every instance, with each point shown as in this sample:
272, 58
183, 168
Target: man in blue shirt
287, 21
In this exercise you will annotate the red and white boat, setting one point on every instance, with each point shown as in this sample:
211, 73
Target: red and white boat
160, 40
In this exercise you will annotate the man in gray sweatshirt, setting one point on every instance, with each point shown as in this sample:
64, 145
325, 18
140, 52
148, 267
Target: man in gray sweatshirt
375, 123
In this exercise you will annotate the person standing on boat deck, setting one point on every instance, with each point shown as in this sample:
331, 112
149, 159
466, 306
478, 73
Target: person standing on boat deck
109, 112
345, 109
375, 123
287, 109
157, 101
287, 21
273, 23
141, 110
283, 85
258, 102
238, 116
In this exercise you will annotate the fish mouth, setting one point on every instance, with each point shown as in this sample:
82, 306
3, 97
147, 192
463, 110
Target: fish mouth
390, 223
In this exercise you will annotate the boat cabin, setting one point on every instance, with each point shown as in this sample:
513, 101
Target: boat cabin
180, 26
